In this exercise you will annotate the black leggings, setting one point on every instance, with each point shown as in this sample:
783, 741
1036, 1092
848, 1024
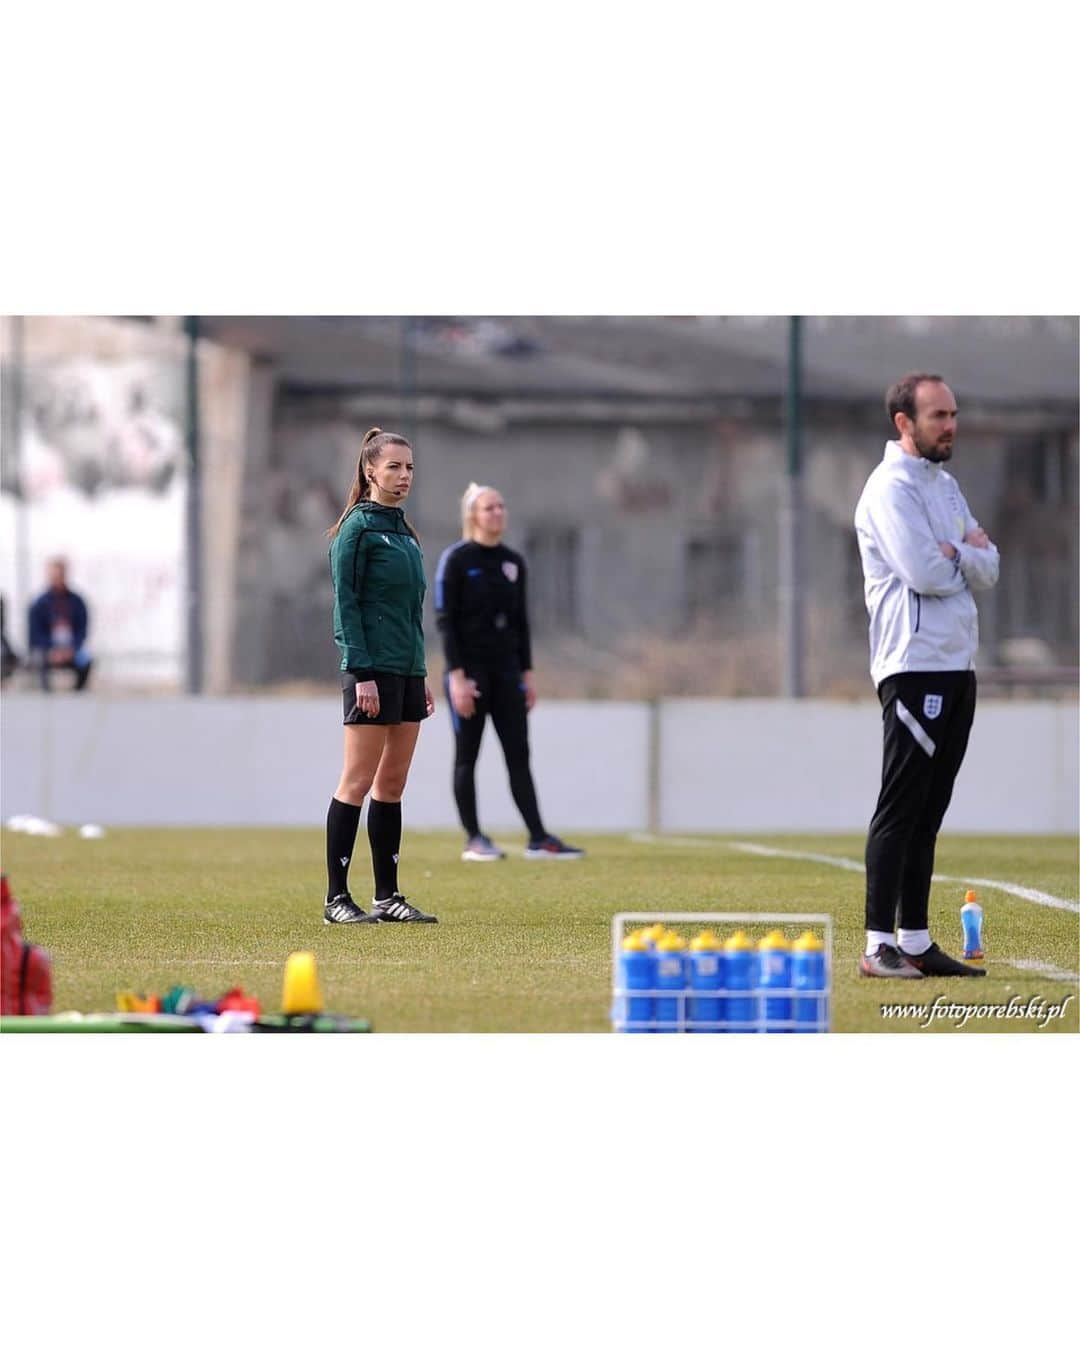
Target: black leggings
502, 696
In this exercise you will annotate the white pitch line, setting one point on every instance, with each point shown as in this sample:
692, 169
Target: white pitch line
1017, 890
1046, 970
841, 862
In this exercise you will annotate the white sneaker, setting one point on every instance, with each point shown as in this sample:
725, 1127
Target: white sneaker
887, 962
481, 848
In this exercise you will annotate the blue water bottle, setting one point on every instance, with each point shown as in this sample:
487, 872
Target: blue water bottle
739, 1013
808, 974
651, 934
706, 975
670, 964
774, 970
971, 920
634, 1014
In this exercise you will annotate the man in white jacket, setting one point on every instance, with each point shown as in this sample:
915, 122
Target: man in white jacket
923, 553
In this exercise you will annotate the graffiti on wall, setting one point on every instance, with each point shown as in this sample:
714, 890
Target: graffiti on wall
98, 475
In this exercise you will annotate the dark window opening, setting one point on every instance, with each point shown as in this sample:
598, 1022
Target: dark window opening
553, 559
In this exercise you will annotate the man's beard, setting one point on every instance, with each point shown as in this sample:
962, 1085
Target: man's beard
932, 450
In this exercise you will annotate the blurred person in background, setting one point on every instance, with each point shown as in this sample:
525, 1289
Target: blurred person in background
480, 602
9, 661
59, 622
923, 554
377, 568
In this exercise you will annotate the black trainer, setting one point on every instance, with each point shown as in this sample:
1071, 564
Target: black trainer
886, 962
935, 963
552, 848
343, 909
398, 908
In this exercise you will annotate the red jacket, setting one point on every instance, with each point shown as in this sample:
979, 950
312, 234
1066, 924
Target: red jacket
25, 969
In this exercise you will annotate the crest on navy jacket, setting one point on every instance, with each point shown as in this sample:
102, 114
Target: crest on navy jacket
510, 570
932, 705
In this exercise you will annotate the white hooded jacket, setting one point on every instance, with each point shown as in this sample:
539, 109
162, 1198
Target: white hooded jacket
922, 615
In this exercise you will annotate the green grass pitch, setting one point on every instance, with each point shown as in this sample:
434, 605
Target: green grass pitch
521, 946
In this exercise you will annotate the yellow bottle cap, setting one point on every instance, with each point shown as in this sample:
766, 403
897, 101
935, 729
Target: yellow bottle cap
774, 940
706, 940
301, 993
738, 942
670, 941
808, 941
654, 933
635, 942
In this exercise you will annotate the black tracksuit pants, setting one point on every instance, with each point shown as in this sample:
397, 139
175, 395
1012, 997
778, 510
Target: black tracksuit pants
502, 697
927, 720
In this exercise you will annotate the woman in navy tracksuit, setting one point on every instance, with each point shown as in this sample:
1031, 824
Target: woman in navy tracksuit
480, 602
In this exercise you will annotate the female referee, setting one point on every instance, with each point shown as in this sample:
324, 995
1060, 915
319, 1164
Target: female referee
481, 609
378, 573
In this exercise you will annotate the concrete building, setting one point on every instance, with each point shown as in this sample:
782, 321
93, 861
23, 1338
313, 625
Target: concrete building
643, 460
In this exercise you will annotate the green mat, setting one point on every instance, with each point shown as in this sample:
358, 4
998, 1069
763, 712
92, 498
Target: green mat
98, 1024
176, 1024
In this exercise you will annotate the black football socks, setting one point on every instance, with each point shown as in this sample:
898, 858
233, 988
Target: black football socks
342, 821
384, 834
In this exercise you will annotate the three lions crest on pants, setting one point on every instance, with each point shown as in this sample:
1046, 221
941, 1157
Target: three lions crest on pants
932, 705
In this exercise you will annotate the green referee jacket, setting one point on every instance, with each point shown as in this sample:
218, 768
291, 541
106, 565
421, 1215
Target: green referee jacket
378, 571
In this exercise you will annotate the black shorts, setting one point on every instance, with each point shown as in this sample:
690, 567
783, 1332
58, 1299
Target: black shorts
400, 699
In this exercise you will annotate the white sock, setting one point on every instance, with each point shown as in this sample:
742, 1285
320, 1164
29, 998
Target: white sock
914, 942
875, 938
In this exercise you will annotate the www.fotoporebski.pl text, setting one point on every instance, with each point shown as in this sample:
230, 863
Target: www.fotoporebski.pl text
1035, 1008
